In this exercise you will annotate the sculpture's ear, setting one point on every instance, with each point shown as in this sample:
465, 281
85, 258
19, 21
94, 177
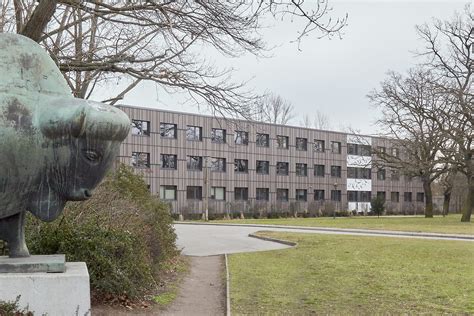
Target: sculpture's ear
63, 119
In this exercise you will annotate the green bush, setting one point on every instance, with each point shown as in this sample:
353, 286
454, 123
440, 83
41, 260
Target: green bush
122, 233
377, 205
12, 309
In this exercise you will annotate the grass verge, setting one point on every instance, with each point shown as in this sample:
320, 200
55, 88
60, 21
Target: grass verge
335, 274
450, 224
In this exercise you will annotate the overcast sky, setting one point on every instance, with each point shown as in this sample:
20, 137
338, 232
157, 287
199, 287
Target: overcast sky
329, 75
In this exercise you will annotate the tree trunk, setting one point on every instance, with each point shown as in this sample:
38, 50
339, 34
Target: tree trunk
39, 19
428, 198
447, 200
467, 210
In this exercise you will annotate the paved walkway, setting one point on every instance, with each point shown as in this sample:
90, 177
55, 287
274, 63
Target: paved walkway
203, 290
202, 239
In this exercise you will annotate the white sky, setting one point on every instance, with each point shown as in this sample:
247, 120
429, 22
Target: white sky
329, 75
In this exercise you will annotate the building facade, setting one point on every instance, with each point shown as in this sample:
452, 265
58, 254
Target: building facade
199, 162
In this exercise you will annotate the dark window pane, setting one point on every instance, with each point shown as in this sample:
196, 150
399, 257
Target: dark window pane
194, 193
282, 142
241, 165
301, 169
263, 140
262, 194
301, 195
194, 163
336, 171
241, 138
282, 168
141, 160
301, 144
140, 127
218, 135
319, 170
319, 145
282, 195
241, 194
194, 133
262, 167
169, 161
319, 195
168, 130
218, 164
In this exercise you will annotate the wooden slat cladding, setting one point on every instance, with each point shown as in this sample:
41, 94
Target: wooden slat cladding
182, 148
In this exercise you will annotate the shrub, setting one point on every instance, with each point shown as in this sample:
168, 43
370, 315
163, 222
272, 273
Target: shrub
122, 233
377, 205
12, 309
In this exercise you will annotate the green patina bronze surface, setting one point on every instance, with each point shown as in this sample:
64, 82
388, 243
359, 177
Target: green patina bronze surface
53, 147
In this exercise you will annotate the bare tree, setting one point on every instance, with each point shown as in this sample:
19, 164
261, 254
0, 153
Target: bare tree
404, 102
450, 57
96, 41
318, 121
274, 109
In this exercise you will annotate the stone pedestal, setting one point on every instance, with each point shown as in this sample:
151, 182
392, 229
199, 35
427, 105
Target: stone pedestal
66, 293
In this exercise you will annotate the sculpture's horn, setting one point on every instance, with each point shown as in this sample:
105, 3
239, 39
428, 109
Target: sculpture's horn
82, 118
62, 118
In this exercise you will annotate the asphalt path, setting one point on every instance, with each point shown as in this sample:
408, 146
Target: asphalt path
195, 239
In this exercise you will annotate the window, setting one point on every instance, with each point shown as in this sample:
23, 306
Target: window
336, 171
319, 195
301, 195
169, 161
319, 145
336, 147
336, 195
168, 192
381, 174
282, 168
359, 173
407, 196
282, 142
194, 163
218, 164
359, 150
282, 195
194, 193
301, 144
395, 175
241, 165
140, 127
168, 130
381, 195
218, 135
262, 194
302, 169
420, 197
319, 170
218, 193
241, 138
140, 160
359, 196
263, 140
194, 133
395, 152
395, 197
241, 194
263, 167
381, 150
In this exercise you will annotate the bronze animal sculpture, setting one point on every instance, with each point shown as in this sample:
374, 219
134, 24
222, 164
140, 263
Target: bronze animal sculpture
53, 147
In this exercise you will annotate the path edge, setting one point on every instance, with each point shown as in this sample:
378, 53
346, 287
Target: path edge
280, 241
227, 286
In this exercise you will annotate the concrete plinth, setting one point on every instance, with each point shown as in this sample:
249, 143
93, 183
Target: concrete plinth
52, 294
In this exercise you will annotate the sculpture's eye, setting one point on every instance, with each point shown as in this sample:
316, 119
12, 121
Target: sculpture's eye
92, 155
